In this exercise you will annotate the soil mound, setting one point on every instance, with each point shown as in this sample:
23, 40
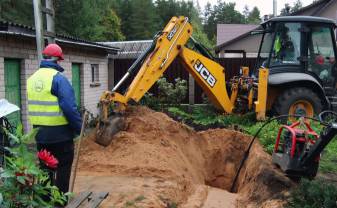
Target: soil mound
158, 162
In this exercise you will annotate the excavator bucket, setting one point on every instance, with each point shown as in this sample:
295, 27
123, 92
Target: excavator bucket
107, 129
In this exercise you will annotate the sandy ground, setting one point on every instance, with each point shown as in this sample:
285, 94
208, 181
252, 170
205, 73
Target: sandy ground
158, 162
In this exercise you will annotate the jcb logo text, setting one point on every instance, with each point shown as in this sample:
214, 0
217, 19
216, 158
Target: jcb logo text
172, 32
205, 74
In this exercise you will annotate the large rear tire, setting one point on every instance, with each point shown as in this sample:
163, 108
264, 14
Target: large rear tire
300, 101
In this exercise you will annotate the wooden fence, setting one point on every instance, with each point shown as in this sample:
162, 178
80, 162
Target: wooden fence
176, 69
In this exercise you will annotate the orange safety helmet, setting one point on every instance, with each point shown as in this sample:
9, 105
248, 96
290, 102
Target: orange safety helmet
53, 50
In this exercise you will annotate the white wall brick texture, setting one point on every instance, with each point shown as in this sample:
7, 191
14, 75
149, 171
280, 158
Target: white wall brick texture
24, 50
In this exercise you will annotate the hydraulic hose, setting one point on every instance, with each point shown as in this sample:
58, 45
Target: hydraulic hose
139, 61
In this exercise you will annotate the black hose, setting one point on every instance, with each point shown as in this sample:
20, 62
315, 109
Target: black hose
321, 118
246, 154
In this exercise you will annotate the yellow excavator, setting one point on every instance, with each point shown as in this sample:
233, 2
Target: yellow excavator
168, 45
299, 88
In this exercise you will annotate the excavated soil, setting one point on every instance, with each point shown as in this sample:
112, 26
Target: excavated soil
158, 162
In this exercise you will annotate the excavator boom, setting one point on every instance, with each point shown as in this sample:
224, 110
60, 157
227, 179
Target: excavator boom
167, 46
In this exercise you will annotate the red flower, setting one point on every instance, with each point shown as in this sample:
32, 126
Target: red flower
48, 159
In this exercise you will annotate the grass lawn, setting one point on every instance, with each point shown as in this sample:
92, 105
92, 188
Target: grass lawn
320, 192
202, 117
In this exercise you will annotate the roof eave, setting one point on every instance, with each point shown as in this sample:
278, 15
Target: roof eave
218, 47
27, 31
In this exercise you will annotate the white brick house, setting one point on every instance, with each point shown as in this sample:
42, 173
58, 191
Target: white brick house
85, 64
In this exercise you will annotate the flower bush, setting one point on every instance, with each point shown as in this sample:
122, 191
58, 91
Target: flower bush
22, 182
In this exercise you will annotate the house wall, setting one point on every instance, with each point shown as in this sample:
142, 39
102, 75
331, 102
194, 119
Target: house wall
24, 49
308, 12
330, 11
250, 44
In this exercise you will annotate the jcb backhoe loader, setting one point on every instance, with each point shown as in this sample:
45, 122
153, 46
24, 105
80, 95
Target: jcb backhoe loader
295, 73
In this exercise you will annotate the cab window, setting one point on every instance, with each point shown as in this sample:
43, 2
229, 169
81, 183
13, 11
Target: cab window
286, 47
321, 54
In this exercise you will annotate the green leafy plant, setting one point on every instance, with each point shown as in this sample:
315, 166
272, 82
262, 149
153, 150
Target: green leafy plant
313, 194
169, 94
22, 182
151, 101
268, 134
209, 117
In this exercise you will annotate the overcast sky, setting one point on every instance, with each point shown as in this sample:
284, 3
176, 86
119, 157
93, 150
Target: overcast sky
265, 6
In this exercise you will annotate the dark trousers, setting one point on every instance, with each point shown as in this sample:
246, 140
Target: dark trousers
64, 153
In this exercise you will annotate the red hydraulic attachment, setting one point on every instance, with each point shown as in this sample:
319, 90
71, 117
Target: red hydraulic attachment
297, 135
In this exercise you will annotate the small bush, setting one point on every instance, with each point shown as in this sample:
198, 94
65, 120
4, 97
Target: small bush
22, 182
209, 117
150, 101
169, 94
313, 194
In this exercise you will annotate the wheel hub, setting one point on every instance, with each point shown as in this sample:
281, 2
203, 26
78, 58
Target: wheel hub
302, 107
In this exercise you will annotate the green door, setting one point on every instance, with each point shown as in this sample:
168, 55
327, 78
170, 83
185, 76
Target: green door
12, 88
76, 82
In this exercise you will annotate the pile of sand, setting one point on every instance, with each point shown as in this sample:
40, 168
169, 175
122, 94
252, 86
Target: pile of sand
158, 162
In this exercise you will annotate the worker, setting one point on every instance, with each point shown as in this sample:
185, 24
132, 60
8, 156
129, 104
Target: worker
52, 109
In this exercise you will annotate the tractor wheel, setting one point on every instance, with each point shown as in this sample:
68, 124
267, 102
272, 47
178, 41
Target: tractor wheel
297, 101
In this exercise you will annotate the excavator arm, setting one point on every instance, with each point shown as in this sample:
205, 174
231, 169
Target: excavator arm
170, 44
167, 46
209, 75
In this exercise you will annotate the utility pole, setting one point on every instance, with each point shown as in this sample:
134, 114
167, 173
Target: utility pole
40, 33
275, 8
50, 14
38, 28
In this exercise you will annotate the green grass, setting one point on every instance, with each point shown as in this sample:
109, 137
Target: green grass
328, 161
132, 203
208, 117
267, 136
205, 116
313, 194
308, 194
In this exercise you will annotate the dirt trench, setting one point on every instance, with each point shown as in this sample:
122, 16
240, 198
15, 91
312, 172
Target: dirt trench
158, 162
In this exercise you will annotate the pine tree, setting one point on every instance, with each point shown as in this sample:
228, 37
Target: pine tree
143, 20
254, 16
286, 10
246, 11
221, 13
297, 5
111, 27
91, 20
290, 9
18, 11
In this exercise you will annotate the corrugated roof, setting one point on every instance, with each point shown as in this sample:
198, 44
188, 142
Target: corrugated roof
227, 32
12, 28
128, 49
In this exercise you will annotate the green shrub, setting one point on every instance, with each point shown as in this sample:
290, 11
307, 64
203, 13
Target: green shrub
169, 94
313, 194
207, 116
150, 101
22, 182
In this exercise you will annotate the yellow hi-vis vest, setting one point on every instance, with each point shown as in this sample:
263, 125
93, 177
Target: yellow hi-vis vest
43, 107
